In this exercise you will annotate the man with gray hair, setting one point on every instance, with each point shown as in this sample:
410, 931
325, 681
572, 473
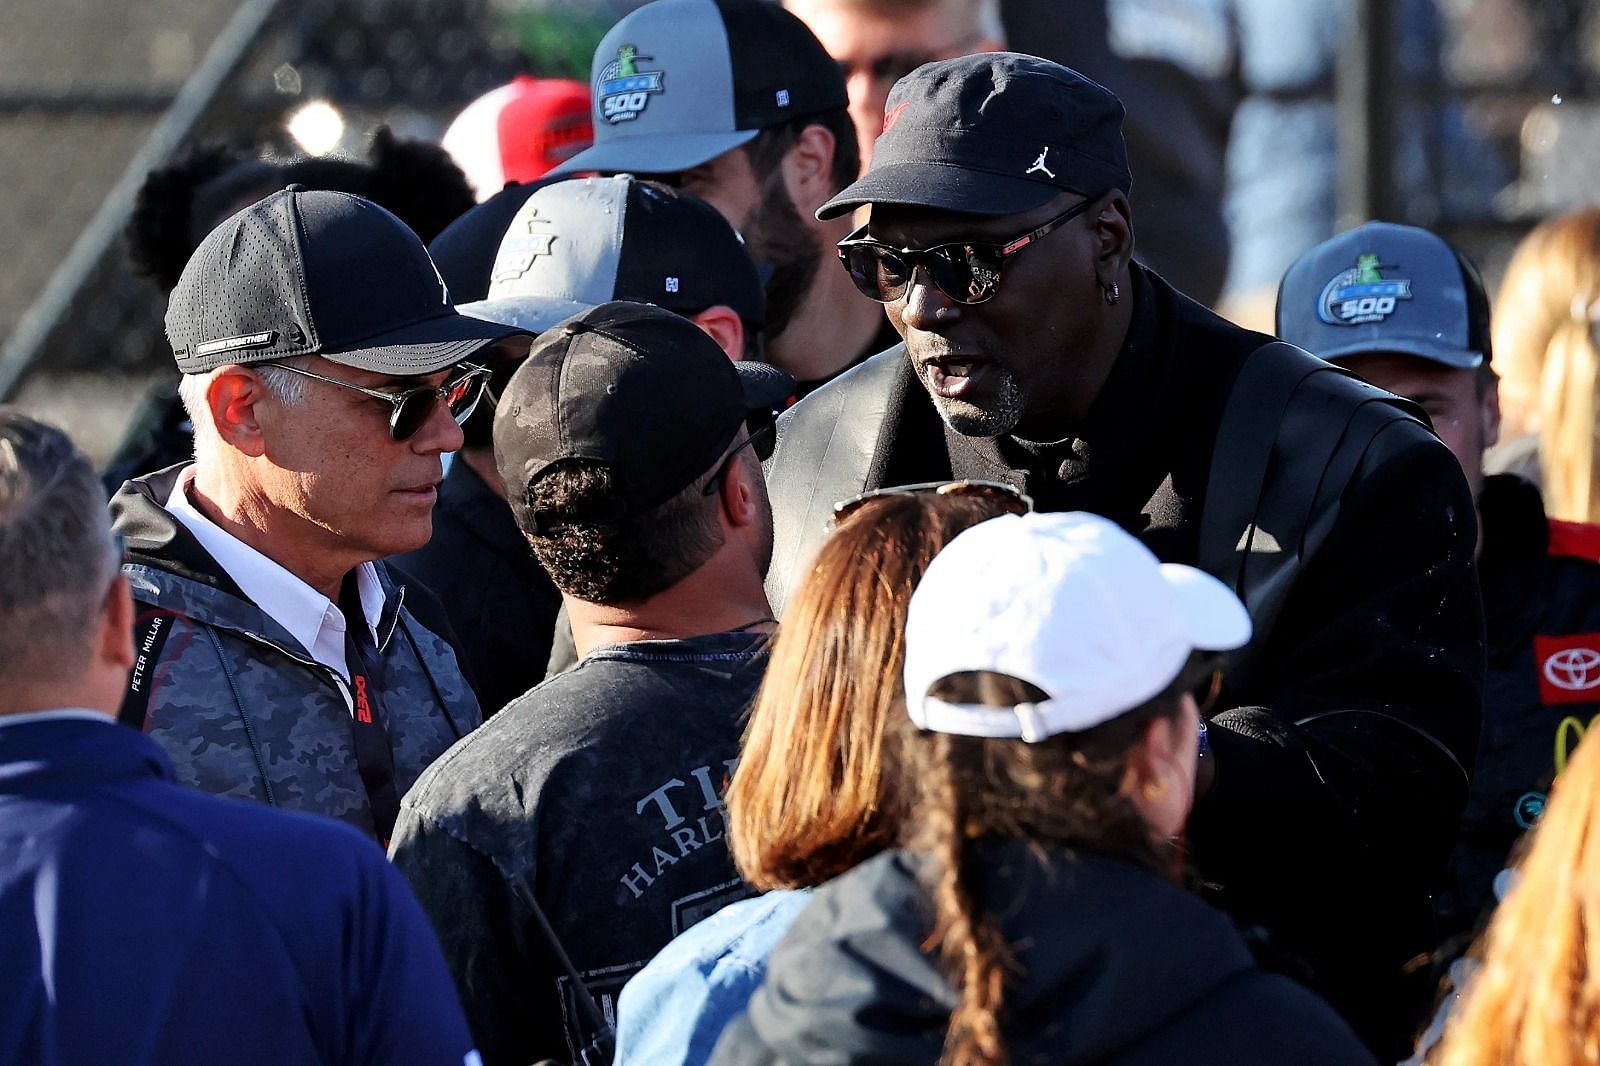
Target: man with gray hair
334, 964
324, 373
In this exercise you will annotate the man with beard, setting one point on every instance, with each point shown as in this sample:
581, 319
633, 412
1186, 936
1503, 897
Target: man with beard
593, 799
1037, 352
736, 102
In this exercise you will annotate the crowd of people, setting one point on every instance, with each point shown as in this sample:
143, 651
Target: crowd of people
586, 624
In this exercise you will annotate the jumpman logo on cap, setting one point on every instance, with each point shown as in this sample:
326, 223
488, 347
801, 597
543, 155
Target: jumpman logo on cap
1038, 164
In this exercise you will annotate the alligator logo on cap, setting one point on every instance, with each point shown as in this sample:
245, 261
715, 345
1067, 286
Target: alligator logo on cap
1361, 294
624, 89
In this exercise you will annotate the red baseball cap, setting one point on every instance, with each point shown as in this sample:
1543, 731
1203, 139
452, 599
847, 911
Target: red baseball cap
519, 131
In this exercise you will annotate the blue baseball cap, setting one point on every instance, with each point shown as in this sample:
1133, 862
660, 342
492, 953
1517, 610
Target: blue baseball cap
1384, 288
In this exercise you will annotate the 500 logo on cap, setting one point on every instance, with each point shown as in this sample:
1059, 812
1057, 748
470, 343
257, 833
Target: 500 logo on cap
1361, 294
625, 90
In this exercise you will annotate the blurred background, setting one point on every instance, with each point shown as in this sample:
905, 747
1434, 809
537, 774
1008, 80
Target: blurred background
1478, 118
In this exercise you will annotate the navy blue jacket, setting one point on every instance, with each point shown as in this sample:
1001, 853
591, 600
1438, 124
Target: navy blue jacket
144, 922
1114, 967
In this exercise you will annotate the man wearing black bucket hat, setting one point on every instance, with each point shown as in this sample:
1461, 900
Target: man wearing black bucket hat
326, 372
594, 799
1036, 351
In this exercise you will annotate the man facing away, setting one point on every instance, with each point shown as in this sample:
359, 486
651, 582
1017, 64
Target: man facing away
324, 371
595, 798
142, 922
736, 102
571, 245
1037, 352
1406, 311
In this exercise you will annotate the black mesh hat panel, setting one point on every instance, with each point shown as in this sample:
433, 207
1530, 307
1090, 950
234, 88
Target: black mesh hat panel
780, 69
241, 297
317, 272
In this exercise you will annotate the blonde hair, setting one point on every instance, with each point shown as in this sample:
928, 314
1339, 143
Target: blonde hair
809, 798
1549, 364
1535, 1000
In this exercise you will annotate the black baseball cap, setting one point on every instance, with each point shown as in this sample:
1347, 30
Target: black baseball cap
678, 82
1383, 288
315, 272
635, 387
997, 133
583, 242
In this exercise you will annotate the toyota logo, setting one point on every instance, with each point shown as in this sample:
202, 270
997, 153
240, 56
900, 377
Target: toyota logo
1574, 669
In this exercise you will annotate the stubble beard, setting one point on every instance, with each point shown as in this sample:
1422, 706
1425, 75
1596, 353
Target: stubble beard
997, 417
780, 240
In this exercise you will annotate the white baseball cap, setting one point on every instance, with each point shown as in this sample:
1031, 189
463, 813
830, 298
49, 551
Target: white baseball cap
1069, 603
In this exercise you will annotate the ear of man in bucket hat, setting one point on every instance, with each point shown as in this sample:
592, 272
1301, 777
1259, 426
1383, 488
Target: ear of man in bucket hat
736, 102
326, 373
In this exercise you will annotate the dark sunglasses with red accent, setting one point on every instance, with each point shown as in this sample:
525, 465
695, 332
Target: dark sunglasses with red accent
410, 409
1007, 498
966, 271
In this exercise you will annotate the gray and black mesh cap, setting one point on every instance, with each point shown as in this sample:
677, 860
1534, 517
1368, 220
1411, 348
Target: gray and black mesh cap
319, 273
997, 133
679, 82
587, 241
635, 387
1383, 288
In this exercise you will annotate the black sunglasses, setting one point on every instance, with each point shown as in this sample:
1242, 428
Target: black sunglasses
411, 408
761, 440
1008, 498
966, 271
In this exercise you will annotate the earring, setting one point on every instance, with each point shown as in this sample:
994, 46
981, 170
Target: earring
1112, 293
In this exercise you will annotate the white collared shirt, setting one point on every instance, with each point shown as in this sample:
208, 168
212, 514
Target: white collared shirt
57, 714
309, 616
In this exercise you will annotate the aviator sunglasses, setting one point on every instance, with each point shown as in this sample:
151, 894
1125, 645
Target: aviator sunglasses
966, 271
1008, 498
411, 408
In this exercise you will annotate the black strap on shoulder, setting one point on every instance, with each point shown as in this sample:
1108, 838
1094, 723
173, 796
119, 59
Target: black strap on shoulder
1277, 480
150, 632
602, 1045
368, 728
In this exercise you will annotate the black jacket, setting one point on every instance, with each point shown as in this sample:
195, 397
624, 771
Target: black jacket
499, 599
1114, 966
1347, 732
1541, 596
